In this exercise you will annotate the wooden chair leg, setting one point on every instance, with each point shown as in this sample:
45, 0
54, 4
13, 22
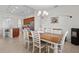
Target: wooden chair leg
28, 46
48, 49
55, 49
39, 50
33, 49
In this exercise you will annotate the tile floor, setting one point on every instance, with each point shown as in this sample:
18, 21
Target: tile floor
18, 46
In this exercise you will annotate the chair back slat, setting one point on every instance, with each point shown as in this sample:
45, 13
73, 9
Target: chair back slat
36, 36
48, 30
26, 35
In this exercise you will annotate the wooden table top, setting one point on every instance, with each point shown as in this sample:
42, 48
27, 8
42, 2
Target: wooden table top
51, 37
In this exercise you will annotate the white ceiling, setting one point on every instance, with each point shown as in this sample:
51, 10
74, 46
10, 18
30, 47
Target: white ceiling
19, 10
23, 10
43, 7
15, 9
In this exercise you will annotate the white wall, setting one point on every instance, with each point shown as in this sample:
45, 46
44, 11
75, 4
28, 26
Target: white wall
75, 21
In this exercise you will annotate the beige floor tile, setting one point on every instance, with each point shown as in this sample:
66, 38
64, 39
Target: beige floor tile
17, 46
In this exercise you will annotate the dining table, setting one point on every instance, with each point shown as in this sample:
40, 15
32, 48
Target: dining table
49, 37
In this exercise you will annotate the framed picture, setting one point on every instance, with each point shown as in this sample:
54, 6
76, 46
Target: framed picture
29, 23
54, 19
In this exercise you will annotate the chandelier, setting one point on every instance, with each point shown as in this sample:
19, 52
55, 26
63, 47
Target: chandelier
42, 14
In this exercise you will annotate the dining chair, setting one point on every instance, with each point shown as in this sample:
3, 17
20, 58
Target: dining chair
48, 30
26, 38
57, 31
58, 47
37, 41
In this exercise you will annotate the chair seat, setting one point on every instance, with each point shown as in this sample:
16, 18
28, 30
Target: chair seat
43, 44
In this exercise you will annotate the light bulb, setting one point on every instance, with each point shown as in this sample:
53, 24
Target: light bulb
45, 12
39, 13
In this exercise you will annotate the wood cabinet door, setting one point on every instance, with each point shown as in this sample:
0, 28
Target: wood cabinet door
15, 32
